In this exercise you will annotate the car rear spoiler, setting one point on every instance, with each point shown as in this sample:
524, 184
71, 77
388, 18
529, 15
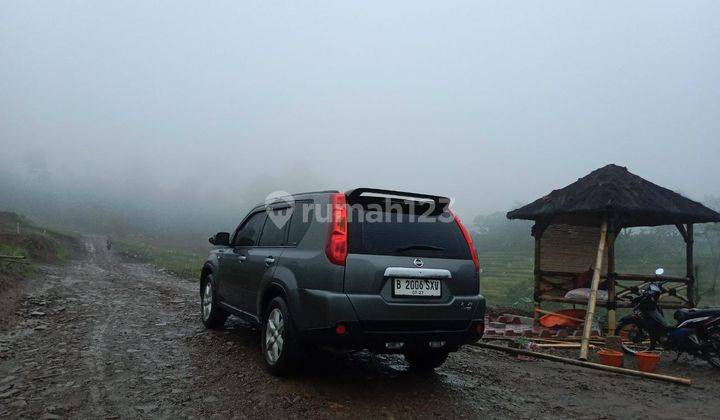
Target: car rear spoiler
356, 196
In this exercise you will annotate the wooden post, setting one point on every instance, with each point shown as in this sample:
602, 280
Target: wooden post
611, 303
537, 232
690, 270
537, 279
598, 366
587, 329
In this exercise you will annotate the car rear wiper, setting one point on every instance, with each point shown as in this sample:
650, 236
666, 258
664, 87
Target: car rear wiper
419, 246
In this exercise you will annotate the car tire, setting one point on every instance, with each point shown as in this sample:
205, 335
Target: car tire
213, 316
425, 360
278, 339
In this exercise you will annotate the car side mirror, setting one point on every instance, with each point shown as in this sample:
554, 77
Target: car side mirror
220, 239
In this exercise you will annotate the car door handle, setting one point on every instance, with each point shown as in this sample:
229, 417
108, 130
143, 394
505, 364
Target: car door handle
269, 261
242, 258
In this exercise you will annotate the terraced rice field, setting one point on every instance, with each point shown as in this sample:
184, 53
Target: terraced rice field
505, 276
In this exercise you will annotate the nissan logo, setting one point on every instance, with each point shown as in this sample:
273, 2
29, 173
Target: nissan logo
418, 262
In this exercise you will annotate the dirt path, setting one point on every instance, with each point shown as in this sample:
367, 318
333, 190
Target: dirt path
103, 338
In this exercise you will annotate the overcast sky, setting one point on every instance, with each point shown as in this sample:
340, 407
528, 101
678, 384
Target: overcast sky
493, 103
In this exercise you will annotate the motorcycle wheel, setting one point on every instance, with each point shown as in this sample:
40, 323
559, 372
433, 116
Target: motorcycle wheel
711, 353
633, 337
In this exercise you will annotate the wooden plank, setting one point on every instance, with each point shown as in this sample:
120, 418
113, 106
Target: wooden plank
550, 273
561, 345
594, 340
590, 313
590, 365
561, 299
570, 274
619, 304
646, 278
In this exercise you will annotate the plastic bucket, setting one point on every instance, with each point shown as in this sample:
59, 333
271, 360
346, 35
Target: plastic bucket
611, 357
646, 361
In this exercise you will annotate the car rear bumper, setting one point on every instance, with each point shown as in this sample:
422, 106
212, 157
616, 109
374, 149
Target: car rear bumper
357, 336
318, 314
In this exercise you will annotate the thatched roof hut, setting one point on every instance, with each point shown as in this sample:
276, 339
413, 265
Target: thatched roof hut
623, 198
576, 226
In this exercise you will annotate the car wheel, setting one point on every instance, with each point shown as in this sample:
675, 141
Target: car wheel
425, 360
212, 315
278, 339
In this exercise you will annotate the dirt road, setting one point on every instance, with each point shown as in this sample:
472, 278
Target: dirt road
104, 338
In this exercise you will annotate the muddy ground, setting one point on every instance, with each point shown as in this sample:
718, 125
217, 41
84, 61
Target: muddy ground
105, 338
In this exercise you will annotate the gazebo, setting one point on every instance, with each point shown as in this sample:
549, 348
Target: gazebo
576, 227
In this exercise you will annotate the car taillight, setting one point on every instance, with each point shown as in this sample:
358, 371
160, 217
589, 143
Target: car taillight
340, 329
469, 241
336, 247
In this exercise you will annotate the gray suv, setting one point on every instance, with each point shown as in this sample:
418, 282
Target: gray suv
388, 271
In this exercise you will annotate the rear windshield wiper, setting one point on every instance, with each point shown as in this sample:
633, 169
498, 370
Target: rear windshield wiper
419, 246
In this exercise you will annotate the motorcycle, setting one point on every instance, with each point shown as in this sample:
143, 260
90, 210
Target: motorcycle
697, 331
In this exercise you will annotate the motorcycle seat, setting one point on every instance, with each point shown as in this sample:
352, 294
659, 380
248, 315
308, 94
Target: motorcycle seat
682, 315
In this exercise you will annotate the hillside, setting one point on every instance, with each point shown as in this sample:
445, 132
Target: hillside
19, 237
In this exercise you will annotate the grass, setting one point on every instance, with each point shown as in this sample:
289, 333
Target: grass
10, 268
507, 264
180, 263
506, 278
10, 250
36, 244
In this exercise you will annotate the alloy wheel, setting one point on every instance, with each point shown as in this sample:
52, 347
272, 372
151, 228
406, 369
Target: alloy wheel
274, 335
207, 300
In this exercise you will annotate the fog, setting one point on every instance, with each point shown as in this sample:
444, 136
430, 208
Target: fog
183, 114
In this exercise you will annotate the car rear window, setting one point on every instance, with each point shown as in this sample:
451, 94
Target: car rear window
398, 234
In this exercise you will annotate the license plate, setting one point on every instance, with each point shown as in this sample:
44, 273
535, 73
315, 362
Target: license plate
416, 287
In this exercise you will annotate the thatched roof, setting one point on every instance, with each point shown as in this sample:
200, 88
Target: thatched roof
623, 197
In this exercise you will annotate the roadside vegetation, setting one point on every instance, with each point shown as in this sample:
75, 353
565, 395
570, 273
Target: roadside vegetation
20, 238
184, 264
